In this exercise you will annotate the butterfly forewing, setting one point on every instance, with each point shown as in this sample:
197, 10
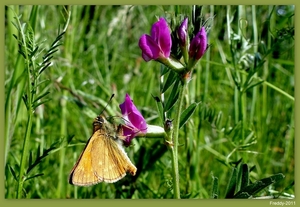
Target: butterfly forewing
82, 173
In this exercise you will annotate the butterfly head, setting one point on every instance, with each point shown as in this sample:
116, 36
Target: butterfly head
98, 123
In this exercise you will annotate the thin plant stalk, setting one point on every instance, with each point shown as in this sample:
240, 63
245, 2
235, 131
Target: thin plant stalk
255, 47
175, 142
62, 157
29, 122
242, 94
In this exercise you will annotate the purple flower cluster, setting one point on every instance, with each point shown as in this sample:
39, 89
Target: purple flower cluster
157, 46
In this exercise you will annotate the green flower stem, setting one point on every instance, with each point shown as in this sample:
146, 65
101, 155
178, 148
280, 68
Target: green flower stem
174, 148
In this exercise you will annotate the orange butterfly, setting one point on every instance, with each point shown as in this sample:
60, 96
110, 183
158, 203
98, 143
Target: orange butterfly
103, 158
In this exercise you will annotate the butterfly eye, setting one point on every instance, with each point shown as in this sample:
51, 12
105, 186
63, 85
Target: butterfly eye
100, 119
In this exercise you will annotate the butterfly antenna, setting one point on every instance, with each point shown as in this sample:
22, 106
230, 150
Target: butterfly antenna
109, 101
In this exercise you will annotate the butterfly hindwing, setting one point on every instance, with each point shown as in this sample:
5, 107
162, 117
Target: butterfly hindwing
111, 162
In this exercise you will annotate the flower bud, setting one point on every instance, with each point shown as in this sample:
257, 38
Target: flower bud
198, 45
183, 33
183, 37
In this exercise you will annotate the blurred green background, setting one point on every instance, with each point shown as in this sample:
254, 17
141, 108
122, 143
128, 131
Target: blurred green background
99, 56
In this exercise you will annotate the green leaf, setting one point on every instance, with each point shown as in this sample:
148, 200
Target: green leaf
25, 99
187, 113
243, 179
49, 53
160, 109
35, 105
164, 70
40, 157
41, 96
235, 78
13, 173
47, 59
33, 52
43, 68
69, 138
254, 188
245, 176
215, 188
42, 82
232, 184
251, 85
33, 16
59, 37
37, 175
236, 163
173, 98
172, 77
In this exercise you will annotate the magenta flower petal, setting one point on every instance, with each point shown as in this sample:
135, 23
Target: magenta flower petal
160, 32
159, 44
150, 49
198, 45
135, 122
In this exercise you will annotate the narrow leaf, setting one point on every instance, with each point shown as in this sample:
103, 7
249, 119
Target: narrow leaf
35, 105
39, 158
15, 36
236, 163
253, 85
160, 109
37, 175
243, 179
33, 52
43, 68
47, 59
16, 25
24, 97
169, 81
51, 51
187, 113
59, 37
173, 96
232, 184
215, 188
41, 96
254, 188
42, 82
245, 176
13, 173
164, 70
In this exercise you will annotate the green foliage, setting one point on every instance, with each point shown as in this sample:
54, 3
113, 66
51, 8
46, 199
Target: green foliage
239, 104
240, 185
